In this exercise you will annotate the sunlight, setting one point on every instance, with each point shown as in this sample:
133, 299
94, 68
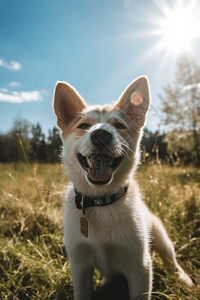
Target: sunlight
178, 28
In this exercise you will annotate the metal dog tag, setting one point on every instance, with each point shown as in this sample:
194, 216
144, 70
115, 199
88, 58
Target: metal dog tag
84, 226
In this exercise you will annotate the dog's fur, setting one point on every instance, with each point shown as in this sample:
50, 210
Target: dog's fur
120, 234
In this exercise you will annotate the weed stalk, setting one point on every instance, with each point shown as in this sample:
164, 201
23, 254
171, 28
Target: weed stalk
27, 162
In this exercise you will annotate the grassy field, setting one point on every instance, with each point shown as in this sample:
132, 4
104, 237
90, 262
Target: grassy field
33, 263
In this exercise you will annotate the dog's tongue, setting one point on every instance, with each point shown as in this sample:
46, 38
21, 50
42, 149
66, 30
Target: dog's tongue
100, 174
100, 167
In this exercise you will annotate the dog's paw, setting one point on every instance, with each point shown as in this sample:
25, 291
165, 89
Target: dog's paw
184, 277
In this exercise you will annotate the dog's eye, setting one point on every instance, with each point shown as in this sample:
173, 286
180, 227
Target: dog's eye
84, 126
119, 125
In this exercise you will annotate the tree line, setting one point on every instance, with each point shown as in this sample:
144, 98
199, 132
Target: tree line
26, 140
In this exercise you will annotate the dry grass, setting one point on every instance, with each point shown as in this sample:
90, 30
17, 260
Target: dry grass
33, 263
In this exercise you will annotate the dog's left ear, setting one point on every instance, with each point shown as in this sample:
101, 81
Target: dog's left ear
135, 100
67, 104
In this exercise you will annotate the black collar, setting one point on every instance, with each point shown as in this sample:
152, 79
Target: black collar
83, 201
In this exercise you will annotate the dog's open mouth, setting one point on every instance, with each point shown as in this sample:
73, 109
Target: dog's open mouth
99, 166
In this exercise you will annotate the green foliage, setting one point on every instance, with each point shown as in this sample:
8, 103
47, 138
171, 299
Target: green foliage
154, 147
181, 106
37, 146
181, 147
33, 262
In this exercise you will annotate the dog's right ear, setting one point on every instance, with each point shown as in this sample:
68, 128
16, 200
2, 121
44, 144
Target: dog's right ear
67, 104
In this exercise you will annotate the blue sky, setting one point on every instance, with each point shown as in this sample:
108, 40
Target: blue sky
97, 46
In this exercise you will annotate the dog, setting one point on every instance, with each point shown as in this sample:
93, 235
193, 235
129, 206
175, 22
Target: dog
107, 225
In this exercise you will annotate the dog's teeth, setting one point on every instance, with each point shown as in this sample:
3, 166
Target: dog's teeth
89, 162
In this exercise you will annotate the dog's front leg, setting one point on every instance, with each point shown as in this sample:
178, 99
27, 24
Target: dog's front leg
140, 283
82, 277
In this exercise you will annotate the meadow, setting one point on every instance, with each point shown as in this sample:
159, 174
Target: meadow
33, 262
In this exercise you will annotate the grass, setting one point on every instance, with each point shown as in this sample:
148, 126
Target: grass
33, 262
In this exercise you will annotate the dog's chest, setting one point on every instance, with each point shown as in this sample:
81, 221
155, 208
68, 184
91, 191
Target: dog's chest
116, 236
112, 258
112, 243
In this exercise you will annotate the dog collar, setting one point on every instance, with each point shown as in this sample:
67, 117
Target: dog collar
83, 201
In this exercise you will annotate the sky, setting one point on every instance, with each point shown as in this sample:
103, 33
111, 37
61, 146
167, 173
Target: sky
98, 46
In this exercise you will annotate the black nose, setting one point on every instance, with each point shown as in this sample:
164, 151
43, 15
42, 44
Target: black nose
101, 137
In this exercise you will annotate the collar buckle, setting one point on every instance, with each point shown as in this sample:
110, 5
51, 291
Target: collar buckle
98, 202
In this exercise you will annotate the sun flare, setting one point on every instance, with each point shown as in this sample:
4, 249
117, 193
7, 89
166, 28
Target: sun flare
179, 26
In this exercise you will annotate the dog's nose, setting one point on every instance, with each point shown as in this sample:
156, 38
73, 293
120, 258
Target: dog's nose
101, 137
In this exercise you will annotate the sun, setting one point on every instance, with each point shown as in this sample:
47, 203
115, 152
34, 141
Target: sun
178, 27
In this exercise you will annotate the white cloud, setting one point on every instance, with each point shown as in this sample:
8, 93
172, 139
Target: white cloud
14, 84
23, 96
14, 65
11, 65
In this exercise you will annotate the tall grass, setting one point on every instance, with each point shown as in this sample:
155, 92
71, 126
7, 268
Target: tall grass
33, 262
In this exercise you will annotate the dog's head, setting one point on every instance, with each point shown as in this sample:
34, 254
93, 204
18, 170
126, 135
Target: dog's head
100, 143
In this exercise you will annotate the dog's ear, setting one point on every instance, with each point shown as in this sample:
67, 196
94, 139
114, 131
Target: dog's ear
134, 101
67, 104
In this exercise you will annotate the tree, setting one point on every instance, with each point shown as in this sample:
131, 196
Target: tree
10, 149
154, 146
38, 144
22, 127
181, 106
54, 145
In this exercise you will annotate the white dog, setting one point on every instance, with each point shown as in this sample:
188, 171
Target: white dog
107, 226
